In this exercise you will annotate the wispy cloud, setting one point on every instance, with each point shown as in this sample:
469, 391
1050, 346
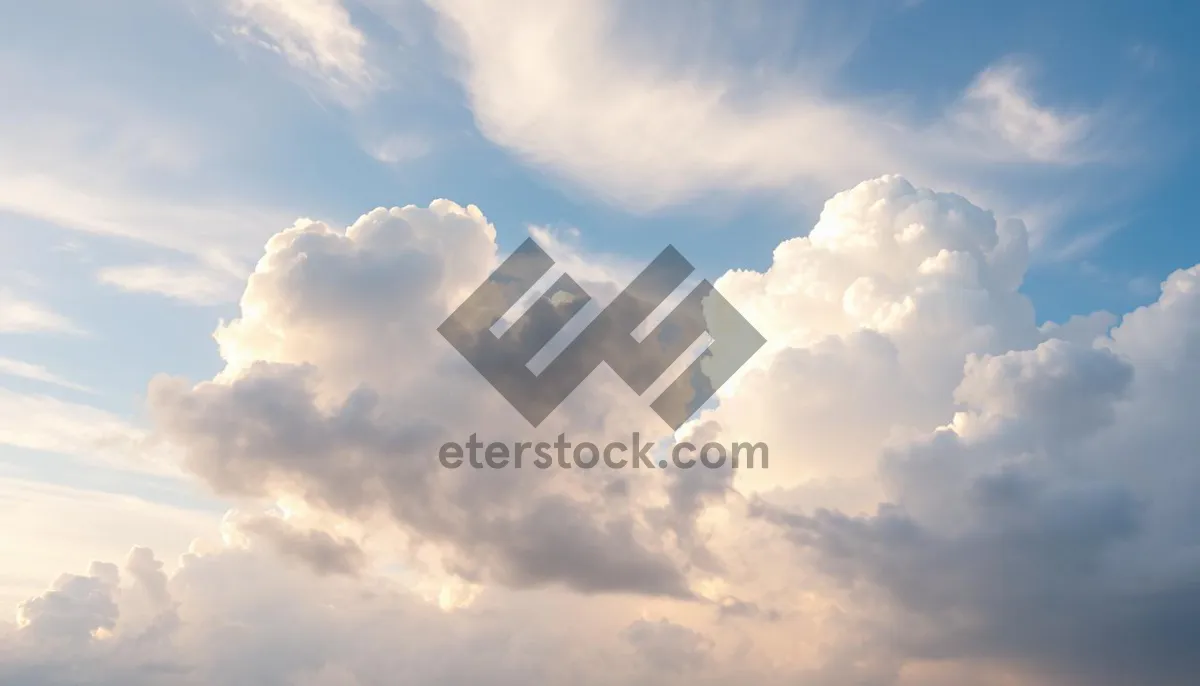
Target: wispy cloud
1000, 110
44, 423
315, 36
35, 372
397, 148
115, 209
196, 285
18, 315
561, 89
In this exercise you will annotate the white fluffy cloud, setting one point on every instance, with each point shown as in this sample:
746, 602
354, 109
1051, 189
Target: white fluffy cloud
338, 389
1032, 493
955, 492
869, 319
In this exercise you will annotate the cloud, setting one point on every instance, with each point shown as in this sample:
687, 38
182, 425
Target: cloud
999, 105
325, 553
1011, 495
649, 126
325, 397
668, 646
75, 607
35, 372
314, 36
1019, 532
955, 492
899, 309
869, 319
400, 148
45, 423
1019, 495
190, 284
50, 528
18, 315
233, 613
110, 209
1081, 328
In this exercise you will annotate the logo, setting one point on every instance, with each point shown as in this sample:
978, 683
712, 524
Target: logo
504, 359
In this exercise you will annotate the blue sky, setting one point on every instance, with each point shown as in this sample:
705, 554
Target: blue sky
148, 149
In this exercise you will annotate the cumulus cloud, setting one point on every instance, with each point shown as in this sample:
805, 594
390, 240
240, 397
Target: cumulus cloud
75, 608
1016, 534
338, 389
233, 615
956, 493
1041, 524
1012, 495
51, 528
869, 319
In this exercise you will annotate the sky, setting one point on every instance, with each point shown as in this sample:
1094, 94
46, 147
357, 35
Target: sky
229, 230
